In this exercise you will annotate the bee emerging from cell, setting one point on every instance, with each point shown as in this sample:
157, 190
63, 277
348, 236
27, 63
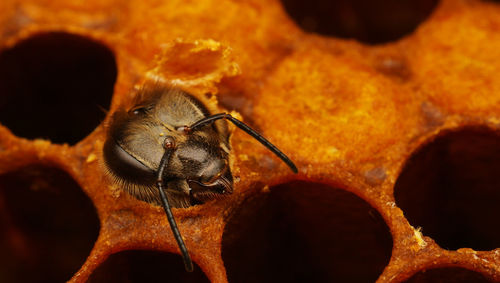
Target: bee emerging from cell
168, 149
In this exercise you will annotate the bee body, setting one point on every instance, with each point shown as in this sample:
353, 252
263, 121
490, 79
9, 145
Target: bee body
136, 145
169, 149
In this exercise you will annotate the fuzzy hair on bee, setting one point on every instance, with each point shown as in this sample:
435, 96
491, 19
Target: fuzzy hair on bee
168, 149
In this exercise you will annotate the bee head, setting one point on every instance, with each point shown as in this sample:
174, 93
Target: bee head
197, 169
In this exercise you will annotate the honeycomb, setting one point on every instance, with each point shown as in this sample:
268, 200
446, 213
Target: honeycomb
392, 119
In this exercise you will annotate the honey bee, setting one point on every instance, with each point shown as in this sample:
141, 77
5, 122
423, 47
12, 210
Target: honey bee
168, 149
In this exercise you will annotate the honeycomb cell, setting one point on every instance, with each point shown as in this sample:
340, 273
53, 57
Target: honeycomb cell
447, 275
450, 188
55, 86
48, 226
367, 21
145, 266
305, 232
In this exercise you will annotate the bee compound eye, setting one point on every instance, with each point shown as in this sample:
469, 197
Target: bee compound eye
125, 165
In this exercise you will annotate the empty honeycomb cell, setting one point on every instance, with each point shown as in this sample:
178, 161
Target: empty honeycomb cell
305, 232
55, 86
448, 275
450, 188
366, 21
47, 226
145, 266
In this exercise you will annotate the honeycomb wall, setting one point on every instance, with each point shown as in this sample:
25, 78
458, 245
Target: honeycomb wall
395, 133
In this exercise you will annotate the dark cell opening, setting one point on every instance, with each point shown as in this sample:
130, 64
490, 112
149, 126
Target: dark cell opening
364, 20
306, 232
451, 188
144, 267
448, 275
55, 86
48, 226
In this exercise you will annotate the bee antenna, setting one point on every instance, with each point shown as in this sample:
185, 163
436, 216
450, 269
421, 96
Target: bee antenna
248, 130
169, 146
